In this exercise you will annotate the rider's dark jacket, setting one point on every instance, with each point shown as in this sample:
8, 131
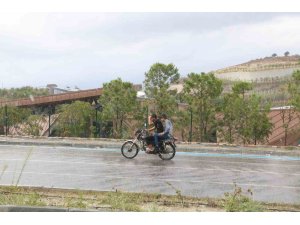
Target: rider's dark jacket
159, 128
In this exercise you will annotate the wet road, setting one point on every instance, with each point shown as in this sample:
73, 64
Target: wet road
271, 179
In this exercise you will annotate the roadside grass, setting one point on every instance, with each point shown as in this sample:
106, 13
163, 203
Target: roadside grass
28, 199
123, 201
78, 202
112, 201
241, 202
136, 202
178, 193
295, 148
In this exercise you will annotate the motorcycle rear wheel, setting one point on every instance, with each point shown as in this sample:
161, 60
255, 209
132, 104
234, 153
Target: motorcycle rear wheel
168, 152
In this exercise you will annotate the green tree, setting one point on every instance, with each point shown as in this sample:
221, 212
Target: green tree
239, 90
75, 119
294, 90
241, 87
258, 123
23, 92
15, 116
244, 118
157, 82
201, 92
287, 116
230, 111
182, 123
119, 102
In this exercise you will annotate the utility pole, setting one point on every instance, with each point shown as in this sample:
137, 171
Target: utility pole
191, 125
147, 115
97, 107
49, 133
50, 109
6, 120
97, 126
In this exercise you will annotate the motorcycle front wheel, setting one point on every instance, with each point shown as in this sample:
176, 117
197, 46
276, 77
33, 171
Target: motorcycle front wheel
129, 150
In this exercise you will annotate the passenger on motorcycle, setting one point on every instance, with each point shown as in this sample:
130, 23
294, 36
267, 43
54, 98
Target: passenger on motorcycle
168, 129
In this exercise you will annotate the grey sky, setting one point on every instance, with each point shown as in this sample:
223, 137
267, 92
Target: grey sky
87, 49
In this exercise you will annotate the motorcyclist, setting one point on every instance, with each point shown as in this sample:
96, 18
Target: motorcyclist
157, 128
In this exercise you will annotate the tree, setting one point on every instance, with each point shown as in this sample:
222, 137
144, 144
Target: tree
241, 87
258, 124
23, 92
75, 119
201, 92
157, 82
287, 116
286, 53
294, 90
15, 116
119, 102
244, 118
274, 55
182, 122
230, 111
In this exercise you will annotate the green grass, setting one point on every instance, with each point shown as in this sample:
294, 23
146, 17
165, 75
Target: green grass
240, 202
123, 201
136, 202
30, 199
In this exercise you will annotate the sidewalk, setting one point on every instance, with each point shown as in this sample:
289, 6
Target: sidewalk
181, 147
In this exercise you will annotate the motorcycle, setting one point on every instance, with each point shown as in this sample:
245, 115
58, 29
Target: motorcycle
166, 150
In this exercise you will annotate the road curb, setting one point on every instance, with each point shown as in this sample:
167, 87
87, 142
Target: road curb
14, 208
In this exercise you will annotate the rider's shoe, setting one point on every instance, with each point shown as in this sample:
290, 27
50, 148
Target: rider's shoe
149, 151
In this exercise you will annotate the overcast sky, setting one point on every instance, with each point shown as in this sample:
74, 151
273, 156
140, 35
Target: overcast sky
88, 49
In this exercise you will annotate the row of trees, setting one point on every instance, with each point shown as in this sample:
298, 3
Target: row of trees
236, 116
287, 53
23, 92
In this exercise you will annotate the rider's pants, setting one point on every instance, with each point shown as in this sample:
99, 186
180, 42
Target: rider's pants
156, 137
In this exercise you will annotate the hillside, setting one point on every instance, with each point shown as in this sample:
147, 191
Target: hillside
261, 70
263, 64
269, 77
